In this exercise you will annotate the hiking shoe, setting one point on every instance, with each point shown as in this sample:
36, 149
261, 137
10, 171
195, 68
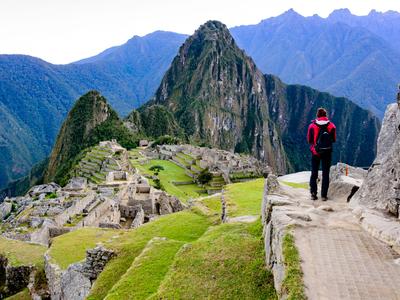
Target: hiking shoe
324, 198
314, 197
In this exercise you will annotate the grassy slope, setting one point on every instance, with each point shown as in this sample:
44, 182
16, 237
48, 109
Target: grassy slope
226, 263
184, 226
171, 173
22, 253
77, 242
147, 271
244, 198
22, 295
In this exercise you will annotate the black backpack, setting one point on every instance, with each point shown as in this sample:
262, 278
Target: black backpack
324, 140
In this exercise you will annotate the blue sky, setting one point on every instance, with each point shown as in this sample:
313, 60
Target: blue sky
62, 31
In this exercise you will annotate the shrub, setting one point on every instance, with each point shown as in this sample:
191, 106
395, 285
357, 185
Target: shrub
204, 177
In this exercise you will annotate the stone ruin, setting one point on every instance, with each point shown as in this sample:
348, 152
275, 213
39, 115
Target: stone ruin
123, 199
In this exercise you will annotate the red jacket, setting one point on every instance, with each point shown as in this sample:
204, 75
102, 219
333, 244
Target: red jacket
313, 131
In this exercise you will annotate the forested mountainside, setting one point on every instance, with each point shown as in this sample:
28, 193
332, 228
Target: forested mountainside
35, 96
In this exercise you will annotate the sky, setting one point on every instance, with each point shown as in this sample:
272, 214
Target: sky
63, 31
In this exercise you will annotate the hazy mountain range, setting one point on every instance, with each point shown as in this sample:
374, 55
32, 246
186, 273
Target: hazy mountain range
343, 54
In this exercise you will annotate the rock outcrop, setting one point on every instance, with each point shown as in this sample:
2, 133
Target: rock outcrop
345, 181
377, 203
381, 189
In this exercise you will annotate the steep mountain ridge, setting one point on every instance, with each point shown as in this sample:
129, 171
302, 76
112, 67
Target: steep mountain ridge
90, 121
331, 56
218, 97
383, 24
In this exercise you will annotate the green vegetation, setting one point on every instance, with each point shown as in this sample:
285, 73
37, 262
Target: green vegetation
244, 198
227, 262
82, 129
166, 140
293, 282
22, 253
172, 173
204, 177
184, 226
22, 295
147, 271
77, 242
51, 196
303, 185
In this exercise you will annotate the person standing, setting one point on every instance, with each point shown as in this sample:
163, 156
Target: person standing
320, 136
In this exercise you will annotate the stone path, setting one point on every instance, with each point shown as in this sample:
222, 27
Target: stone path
347, 264
339, 259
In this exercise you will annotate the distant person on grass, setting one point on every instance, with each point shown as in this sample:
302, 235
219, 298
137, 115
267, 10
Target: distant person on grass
321, 136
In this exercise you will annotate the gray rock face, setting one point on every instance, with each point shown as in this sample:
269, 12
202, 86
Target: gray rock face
74, 284
345, 180
5, 210
381, 188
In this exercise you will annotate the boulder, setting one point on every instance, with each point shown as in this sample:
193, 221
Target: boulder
5, 210
345, 180
381, 188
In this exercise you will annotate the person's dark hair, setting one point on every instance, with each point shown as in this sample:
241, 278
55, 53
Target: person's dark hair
321, 112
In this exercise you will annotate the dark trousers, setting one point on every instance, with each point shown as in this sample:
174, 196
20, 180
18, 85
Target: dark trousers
325, 160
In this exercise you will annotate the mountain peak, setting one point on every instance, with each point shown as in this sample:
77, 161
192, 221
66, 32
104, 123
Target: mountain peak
342, 12
212, 30
291, 13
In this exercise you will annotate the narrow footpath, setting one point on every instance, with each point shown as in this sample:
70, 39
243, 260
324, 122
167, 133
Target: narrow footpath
338, 258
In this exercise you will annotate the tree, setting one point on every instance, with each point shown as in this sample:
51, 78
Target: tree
156, 169
204, 177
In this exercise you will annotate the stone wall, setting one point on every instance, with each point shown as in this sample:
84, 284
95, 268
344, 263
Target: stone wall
76, 208
13, 278
76, 281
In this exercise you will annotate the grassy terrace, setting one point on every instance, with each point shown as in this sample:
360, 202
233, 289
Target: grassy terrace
22, 253
227, 262
244, 198
168, 257
171, 173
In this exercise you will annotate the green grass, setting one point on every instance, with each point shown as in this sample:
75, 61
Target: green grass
226, 263
71, 247
147, 271
213, 204
244, 198
22, 253
292, 285
303, 185
185, 226
22, 295
171, 173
